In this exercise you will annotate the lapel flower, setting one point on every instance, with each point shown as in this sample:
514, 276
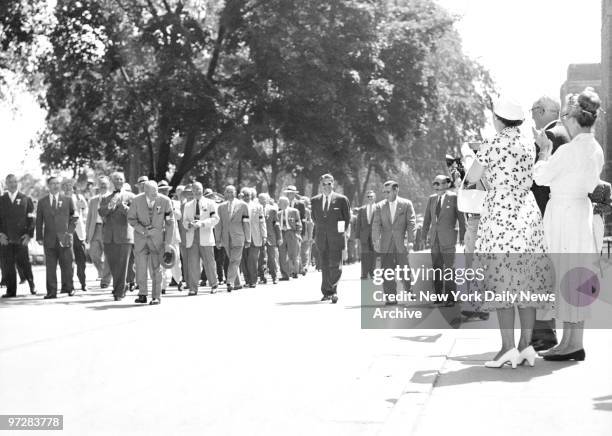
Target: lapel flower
158, 208
18, 201
59, 203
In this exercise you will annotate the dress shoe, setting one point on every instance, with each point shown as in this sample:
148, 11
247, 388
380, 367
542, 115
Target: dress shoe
180, 286
263, 281
64, 291
163, 292
334, 299
32, 288
303, 272
252, 285
192, 293
391, 303
511, 356
103, 285
238, 287
229, 288
131, 287
529, 355
294, 275
50, 297
202, 282
22, 281
578, 356
284, 279
326, 298
72, 293
213, 289
274, 281
84, 288
141, 299
9, 295
155, 301
543, 344
118, 298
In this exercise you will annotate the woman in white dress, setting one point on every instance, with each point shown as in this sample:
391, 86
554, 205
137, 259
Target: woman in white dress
572, 173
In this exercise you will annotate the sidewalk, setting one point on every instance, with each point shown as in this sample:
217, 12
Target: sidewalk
465, 398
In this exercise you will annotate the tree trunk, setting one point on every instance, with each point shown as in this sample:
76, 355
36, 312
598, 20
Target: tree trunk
274, 167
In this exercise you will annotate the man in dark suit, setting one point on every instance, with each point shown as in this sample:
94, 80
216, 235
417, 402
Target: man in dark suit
545, 114
392, 225
55, 223
363, 232
331, 215
440, 225
16, 230
291, 229
292, 194
118, 234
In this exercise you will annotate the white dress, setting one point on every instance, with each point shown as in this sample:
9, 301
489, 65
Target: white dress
572, 173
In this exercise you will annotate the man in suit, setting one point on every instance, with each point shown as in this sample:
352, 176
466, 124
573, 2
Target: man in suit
363, 232
233, 233
259, 234
174, 275
152, 217
392, 225
78, 238
545, 114
117, 233
93, 233
292, 194
199, 220
55, 223
440, 226
331, 215
16, 229
291, 230
268, 257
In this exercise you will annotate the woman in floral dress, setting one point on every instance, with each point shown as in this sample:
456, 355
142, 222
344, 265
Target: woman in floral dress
510, 242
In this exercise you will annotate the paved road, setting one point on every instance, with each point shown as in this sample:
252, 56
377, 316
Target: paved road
275, 361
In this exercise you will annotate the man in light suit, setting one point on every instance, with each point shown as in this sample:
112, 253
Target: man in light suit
393, 224
259, 235
363, 232
233, 233
16, 229
199, 220
292, 194
331, 215
152, 217
93, 233
78, 240
440, 226
117, 233
174, 275
55, 223
291, 230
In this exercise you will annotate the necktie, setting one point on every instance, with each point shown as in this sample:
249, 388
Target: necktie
325, 204
392, 210
54, 205
438, 206
197, 210
285, 220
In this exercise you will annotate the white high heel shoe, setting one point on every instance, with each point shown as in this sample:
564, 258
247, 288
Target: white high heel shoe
529, 354
511, 356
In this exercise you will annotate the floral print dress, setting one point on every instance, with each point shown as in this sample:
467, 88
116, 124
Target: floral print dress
510, 240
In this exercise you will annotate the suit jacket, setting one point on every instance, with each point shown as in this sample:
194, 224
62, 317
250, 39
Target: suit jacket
326, 223
363, 229
293, 220
444, 227
556, 132
53, 225
209, 218
272, 225
386, 234
301, 207
116, 229
80, 205
234, 230
92, 216
259, 231
181, 228
16, 218
152, 225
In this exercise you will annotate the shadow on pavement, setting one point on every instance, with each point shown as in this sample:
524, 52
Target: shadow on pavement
478, 373
422, 338
301, 303
603, 403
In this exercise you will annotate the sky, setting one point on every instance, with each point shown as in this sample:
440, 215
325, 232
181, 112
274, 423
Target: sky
527, 46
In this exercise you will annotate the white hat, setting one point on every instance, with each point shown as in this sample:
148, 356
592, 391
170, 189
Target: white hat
508, 109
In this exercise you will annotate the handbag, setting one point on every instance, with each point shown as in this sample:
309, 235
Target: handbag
470, 200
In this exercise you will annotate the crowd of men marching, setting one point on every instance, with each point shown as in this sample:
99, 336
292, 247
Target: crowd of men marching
191, 238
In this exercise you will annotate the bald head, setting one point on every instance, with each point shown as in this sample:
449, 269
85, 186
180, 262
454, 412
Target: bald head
150, 189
